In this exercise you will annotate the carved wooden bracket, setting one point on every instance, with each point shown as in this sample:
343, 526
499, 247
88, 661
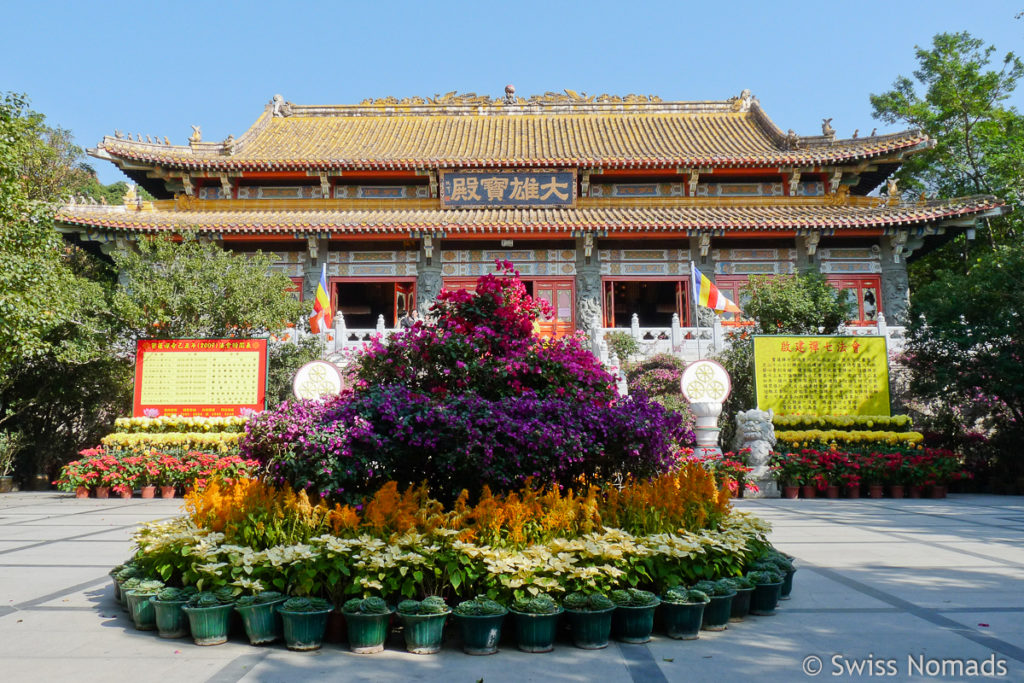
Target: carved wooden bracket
694, 178
225, 185
313, 244
812, 243
794, 182
186, 182
428, 246
588, 245
898, 243
325, 185
833, 182
705, 243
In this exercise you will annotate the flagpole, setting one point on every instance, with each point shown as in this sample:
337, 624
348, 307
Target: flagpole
696, 305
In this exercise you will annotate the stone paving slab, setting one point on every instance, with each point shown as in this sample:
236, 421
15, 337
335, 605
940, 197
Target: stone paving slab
890, 584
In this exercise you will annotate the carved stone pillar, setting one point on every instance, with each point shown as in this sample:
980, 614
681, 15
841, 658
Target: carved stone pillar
588, 287
895, 285
315, 257
428, 277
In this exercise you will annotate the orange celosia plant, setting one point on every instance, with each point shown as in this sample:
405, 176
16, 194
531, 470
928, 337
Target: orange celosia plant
259, 515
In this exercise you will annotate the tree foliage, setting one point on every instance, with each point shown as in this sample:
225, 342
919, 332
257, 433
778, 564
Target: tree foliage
966, 348
193, 288
979, 141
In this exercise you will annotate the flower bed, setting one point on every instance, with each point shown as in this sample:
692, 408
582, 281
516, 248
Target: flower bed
895, 423
222, 442
904, 467
862, 438
174, 423
253, 536
124, 469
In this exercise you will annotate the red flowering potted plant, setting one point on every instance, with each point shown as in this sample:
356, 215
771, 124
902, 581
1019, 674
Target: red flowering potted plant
786, 468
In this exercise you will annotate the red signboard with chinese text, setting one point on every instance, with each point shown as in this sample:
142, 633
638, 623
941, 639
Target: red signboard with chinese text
199, 377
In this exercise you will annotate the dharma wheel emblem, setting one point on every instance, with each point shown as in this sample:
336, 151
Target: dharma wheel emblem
705, 381
317, 379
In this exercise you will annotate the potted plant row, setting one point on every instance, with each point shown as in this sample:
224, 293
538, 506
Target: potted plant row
593, 618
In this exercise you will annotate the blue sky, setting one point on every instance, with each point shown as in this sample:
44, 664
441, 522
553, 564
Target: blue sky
157, 68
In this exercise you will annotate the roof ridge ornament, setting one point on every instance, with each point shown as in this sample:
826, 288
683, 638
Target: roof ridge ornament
826, 128
567, 96
743, 102
197, 135
279, 108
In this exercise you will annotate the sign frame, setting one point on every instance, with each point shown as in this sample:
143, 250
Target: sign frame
537, 173
189, 344
848, 339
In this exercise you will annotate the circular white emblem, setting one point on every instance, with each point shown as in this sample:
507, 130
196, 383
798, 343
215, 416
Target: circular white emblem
317, 379
705, 380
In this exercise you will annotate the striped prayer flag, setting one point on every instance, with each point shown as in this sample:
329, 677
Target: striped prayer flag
321, 319
706, 294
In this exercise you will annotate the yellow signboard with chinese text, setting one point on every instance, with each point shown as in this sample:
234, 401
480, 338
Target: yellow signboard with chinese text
822, 375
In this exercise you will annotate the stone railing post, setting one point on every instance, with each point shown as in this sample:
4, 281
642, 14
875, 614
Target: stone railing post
634, 326
380, 324
677, 334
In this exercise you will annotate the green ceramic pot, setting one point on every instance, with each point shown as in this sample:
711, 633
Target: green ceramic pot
633, 624
740, 604
423, 632
787, 585
536, 632
716, 613
262, 623
480, 633
141, 610
366, 632
682, 622
171, 622
590, 630
209, 625
765, 599
303, 630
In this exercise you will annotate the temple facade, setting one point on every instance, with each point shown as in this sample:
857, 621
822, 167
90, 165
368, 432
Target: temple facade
601, 202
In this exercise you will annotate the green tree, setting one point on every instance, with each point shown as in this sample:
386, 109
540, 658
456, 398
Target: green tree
193, 288
978, 139
54, 311
966, 354
800, 305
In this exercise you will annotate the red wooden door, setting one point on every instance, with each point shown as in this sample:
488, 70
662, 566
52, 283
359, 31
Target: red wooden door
405, 299
560, 294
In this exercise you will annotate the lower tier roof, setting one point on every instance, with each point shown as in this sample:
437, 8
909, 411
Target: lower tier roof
873, 214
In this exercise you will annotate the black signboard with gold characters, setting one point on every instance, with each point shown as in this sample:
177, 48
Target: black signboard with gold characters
510, 189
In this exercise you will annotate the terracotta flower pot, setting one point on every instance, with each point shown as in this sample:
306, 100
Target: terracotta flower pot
790, 491
875, 490
914, 491
148, 491
167, 492
853, 490
127, 493
808, 491
832, 491
938, 491
896, 491
82, 492
103, 492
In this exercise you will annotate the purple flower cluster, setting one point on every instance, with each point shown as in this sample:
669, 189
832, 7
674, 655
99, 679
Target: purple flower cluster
474, 398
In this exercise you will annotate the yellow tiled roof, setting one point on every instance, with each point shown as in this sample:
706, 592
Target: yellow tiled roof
525, 134
863, 215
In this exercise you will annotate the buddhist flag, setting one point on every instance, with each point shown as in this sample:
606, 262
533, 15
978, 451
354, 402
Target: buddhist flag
321, 319
706, 294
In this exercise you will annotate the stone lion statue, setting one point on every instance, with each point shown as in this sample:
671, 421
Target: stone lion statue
754, 430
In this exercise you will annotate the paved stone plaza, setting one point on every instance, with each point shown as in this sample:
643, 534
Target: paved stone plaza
887, 587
